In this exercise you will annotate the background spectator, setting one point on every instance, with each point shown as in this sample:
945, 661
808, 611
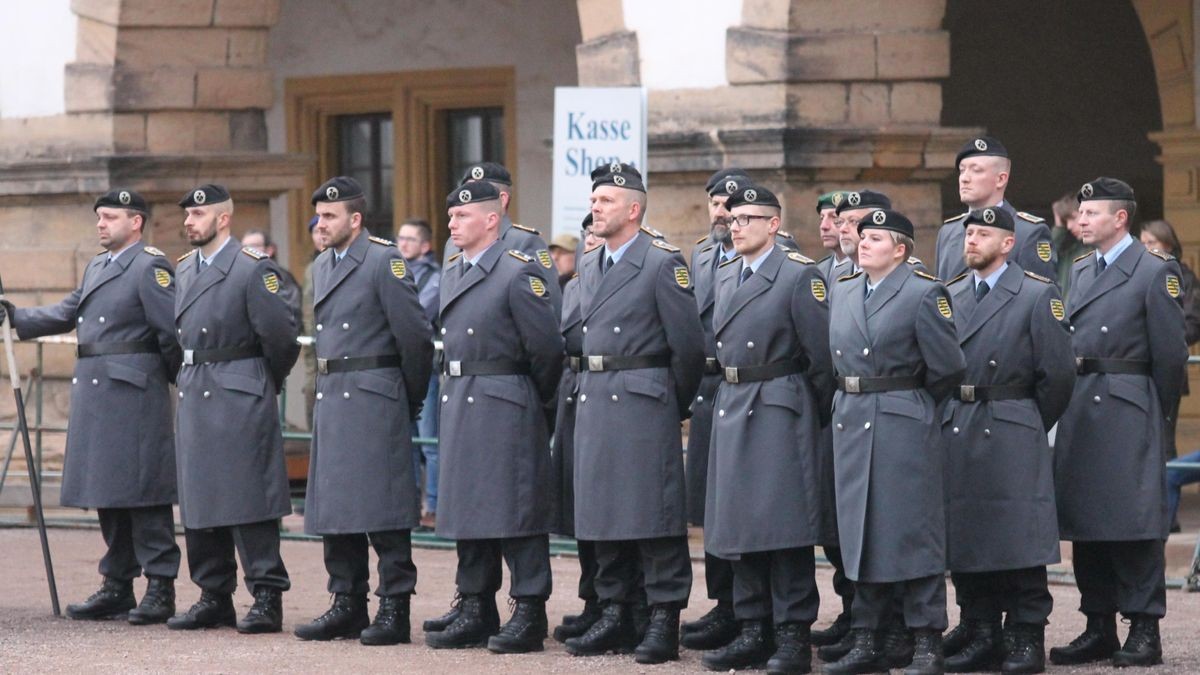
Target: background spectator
289, 289
307, 320
1065, 237
562, 250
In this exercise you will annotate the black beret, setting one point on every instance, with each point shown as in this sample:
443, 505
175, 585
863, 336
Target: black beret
830, 200
205, 195
886, 219
472, 192
731, 184
990, 217
752, 195
715, 180
626, 177
489, 171
313, 223
863, 199
1105, 188
587, 221
337, 189
121, 198
616, 167
984, 145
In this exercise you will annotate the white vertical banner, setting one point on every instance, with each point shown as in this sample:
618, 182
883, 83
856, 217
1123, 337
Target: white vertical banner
593, 126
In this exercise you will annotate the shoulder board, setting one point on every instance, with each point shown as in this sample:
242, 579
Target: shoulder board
530, 230
914, 260
951, 219
520, 256
960, 277
1039, 277
593, 248
253, 253
703, 239
381, 240
1030, 217
652, 232
105, 252
185, 256
848, 277
659, 243
925, 276
785, 235
730, 261
153, 251
454, 257
825, 258
706, 249
1083, 256
796, 257
575, 275
1165, 256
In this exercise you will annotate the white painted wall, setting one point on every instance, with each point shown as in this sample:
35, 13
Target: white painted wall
682, 42
38, 41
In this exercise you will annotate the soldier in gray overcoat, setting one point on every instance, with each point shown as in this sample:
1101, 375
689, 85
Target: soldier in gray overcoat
643, 351
122, 465
503, 360
1127, 330
239, 343
374, 356
897, 357
1001, 524
771, 325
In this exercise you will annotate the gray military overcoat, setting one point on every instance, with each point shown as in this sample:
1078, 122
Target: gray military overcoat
764, 469
629, 479
495, 475
829, 527
1033, 251
704, 281
563, 448
228, 439
1000, 512
528, 241
360, 471
120, 441
887, 451
1110, 448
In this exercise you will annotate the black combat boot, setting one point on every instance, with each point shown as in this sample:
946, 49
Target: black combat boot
898, 645
661, 643
210, 611
984, 652
834, 634
958, 637
927, 653
580, 623
713, 630
113, 599
266, 614
639, 613
793, 650
614, 632
345, 619
835, 651
525, 631
1097, 642
478, 619
391, 625
1026, 649
439, 624
1143, 646
750, 649
158, 604
864, 657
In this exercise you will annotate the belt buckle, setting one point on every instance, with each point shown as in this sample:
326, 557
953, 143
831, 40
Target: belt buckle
323, 366
1078, 362
189, 357
454, 368
575, 362
595, 364
966, 392
731, 374
852, 385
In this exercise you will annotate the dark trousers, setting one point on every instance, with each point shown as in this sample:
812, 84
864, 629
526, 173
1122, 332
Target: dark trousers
718, 578
528, 559
1022, 593
139, 540
666, 567
587, 570
780, 585
1121, 576
347, 560
923, 602
842, 585
211, 561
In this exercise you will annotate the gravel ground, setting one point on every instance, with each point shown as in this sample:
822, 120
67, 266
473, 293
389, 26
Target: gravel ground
31, 640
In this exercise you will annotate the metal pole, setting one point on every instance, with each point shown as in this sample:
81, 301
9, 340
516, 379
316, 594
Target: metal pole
12, 444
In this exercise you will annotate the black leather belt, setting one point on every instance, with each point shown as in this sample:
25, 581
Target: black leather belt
871, 385
762, 373
494, 367
194, 357
975, 393
574, 363
599, 364
109, 348
326, 366
1086, 365
712, 366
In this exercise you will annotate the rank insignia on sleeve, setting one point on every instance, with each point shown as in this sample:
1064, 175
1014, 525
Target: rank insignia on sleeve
271, 282
1172, 285
398, 269
1043, 251
162, 278
1057, 310
818, 289
538, 288
682, 277
943, 306
543, 257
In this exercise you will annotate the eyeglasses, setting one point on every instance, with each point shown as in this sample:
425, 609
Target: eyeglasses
744, 219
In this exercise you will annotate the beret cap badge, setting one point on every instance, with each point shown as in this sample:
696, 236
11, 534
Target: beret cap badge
124, 197
198, 196
331, 192
981, 145
731, 186
989, 216
477, 172
1087, 190
853, 199
464, 196
750, 195
879, 218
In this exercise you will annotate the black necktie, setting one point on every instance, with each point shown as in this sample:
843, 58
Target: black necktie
466, 268
336, 260
608, 263
1103, 264
869, 292
746, 272
981, 290
107, 260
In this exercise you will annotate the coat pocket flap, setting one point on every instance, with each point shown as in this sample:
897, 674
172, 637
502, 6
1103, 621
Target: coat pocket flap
124, 373
896, 404
507, 391
377, 384
242, 383
646, 385
1129, 391
782, 396
1017, 413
